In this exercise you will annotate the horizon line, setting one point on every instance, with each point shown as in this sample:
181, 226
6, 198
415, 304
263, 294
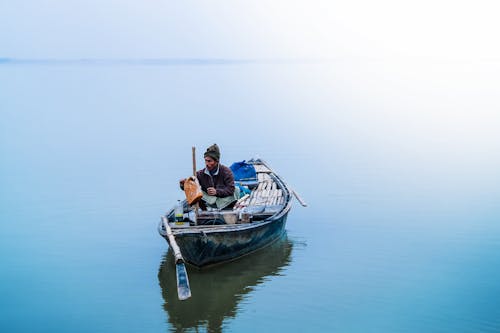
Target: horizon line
158, 61
193, 61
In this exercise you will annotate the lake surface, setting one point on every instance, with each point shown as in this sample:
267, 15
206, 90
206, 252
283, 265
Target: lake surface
399, 162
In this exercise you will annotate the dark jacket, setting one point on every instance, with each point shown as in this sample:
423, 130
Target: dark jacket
223, 181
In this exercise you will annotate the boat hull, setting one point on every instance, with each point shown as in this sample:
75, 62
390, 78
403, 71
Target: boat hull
207, 247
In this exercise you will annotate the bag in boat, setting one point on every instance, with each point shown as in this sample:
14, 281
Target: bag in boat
193, 190
243, 171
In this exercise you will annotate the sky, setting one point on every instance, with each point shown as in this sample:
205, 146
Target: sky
238, 29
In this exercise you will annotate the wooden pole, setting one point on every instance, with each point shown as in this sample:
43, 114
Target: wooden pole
194, 160
196, 206
299, 199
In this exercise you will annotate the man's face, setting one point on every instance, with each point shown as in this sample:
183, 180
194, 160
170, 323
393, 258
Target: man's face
210, 163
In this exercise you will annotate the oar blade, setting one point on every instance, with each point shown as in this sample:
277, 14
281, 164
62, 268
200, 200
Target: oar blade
183, 290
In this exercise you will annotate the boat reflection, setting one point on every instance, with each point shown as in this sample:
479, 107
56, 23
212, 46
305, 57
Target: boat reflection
216, 291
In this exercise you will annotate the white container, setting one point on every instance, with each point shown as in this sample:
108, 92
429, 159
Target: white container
230, 218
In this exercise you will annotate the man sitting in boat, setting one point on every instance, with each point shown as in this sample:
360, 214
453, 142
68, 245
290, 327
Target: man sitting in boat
216, 181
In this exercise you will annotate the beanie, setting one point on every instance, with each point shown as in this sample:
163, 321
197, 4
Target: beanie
213, 152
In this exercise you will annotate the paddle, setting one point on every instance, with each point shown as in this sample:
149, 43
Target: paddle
299, 199
183, 290
297, 196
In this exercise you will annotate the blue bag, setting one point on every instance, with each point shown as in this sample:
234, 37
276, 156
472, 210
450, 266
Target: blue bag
243, 171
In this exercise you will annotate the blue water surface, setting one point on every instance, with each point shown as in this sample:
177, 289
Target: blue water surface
399, 164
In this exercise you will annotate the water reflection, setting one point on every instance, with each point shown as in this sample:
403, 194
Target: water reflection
218, 290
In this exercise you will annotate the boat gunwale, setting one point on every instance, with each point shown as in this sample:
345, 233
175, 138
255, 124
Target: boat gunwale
205, 229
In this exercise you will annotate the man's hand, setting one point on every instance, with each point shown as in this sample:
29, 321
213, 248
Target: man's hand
211, 191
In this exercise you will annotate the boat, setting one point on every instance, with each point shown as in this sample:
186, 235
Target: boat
205, 238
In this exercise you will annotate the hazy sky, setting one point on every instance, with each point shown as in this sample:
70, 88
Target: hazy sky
248, 29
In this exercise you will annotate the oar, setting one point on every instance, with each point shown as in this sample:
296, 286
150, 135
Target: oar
297, 196
299, 199
183, 290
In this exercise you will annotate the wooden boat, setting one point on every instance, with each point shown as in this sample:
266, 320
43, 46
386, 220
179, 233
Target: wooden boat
255, 221
211, 237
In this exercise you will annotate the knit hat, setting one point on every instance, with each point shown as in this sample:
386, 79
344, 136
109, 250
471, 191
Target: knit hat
213, 151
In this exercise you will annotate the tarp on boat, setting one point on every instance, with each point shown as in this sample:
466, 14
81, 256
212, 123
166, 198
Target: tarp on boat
243, 171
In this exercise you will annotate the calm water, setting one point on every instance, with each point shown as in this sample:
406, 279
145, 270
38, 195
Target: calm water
399, 162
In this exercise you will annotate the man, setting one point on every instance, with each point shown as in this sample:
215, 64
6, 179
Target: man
216, 181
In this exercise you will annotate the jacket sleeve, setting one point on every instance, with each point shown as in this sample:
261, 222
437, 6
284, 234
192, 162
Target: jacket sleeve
227, 188
201, 180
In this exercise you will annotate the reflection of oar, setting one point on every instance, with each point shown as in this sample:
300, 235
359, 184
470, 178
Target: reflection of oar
183, 290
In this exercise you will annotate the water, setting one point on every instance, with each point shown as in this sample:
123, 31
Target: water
398, 161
